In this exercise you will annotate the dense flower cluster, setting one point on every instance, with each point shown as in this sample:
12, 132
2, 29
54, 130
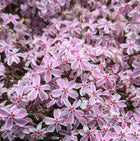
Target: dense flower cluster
70, 70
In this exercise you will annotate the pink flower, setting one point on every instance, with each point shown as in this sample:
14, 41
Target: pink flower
115, 102
54, 123
49, 69
121, 134
38, 132
70, 135
105, 78
100, 136
37, 89
84, 86
87, 133
90, 25
72, 112
6, 46
97, 116
103, 23
7, 133
94, 94
65, 90
131, 46
14, 115
10, 18
135, 133
80, 62
19, 98
13, 56
72, 28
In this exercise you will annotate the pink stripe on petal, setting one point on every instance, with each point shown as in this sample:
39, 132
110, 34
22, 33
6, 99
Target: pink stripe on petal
56, 93
51, 128
56, 72
60, 82
83, 66
67, 103
7, 21
85, 138
106, 29
100, 82
20, 91
4, 112
20, 113
43, 95
40, 69
9, 123
32, 95
74, 65
77, 103
16, 59
118, 129
121, 104
70, 118
92, 138
73, 94
20, 122
57, 113
58, 127
45, 87
136, 73
9, 61
48, 76
71, 84
99, 136
36, 80
48, 121
46, 60
78, 113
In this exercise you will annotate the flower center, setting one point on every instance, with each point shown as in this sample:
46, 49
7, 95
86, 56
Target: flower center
65, 90
122, 134
12, 115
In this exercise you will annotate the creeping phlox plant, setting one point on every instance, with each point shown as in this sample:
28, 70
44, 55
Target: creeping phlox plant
70, 70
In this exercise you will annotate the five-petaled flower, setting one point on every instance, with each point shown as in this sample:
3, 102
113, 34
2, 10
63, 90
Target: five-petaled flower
48, 69
54, 123
37, 89
13, 114
71, 111
65, 90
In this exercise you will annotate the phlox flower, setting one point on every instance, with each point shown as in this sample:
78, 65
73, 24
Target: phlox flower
71, 111
48, 68
87, 133
38, 132
65, 90
37, 89
13, 56
121, 134
15, 115
54, 123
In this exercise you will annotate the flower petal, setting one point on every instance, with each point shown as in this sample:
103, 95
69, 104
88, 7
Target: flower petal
43, 95
70, 118
56, 72
4, 112
9, 123
20, 113
36, 80
32, 95
48, 121
20, 122
57, 113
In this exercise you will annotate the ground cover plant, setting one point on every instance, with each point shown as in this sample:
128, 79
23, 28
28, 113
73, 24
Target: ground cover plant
70, 70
